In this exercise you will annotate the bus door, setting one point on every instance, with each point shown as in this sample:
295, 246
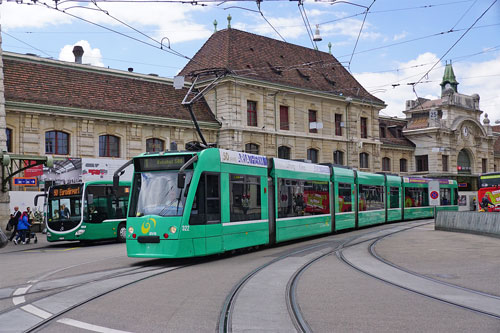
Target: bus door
98, 211
206, 215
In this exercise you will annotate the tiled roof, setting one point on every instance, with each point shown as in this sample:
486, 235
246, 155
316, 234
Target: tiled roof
63, 84
266, 59
391, 134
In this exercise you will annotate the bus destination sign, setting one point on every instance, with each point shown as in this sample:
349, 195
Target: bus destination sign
66, 191
162, 163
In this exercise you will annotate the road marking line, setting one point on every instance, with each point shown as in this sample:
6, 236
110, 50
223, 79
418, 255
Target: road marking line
89, 327
20, 291
36, 311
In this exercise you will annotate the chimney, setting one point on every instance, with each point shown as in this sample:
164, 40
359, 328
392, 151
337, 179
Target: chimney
78, 52
130, 69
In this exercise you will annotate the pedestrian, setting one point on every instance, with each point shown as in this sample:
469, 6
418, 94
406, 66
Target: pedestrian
31, 217
22, 226
15, 219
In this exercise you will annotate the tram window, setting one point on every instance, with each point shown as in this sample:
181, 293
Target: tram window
445, 194
371, 197
297, 197
416, 197
206, 204
394, 197
245, 198
345, 198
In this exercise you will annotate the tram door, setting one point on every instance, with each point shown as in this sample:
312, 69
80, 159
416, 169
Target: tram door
206, 212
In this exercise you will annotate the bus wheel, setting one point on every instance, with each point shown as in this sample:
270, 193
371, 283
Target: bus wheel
122, 233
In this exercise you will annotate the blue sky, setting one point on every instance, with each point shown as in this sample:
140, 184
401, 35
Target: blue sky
399, 43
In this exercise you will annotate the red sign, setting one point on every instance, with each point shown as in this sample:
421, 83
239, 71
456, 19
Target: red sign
434, 195
34, 171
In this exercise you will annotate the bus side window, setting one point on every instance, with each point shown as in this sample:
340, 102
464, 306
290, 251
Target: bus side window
99, 209
206, 204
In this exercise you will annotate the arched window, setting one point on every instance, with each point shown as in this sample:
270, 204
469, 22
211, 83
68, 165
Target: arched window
56, 142
463, 162
109, 146
252, 148
312, 155
155, 145
338, 157
364, 160
284, 152
8, 134
386, 164
403, 165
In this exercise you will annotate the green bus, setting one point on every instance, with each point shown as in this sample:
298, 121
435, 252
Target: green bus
89, 211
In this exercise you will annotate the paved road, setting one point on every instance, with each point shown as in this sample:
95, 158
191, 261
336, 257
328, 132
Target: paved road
332, 296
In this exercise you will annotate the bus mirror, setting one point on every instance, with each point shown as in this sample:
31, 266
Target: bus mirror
90, 199
181, 179
116, 183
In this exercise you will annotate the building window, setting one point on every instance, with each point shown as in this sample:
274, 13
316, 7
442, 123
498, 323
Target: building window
284, 152
445, 162
386, 164
382, 132
312, 122
338, 157
251, 113
399, 132
284, 124
109, 146
403, 165
312, 155
422, 163
364, 128
252, 148
56, 142
363, 161
8, 134
338, 123
485, 165
154, 145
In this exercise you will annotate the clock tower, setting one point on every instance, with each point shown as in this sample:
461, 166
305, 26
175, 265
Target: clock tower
449, 80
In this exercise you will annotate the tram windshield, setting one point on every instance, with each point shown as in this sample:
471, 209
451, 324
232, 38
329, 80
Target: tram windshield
65, 207
156, 193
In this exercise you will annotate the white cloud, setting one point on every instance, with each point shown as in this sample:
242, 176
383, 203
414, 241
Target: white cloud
287, 27
473, 77
90, 55
400, 36
15, 15
350, 28
168, 20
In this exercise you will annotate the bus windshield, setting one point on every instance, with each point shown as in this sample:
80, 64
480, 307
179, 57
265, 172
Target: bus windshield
490, 180
65, 207
156, 193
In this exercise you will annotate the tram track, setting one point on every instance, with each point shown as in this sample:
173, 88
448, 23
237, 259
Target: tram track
427, 290
296, 317
38, 308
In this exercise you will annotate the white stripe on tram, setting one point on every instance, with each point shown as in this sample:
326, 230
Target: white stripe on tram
227, 224
302, 217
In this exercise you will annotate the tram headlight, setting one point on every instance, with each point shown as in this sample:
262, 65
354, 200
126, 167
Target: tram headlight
130, 230
173, 230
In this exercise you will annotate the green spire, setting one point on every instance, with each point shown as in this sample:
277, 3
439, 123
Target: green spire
449, 78
215, 25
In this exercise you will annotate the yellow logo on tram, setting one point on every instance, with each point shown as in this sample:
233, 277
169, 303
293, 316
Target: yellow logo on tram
147, 225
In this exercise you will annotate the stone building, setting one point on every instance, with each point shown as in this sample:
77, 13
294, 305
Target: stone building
74, 110
280, 99
450, 141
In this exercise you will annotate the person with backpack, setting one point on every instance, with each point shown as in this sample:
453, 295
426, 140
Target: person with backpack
22, 227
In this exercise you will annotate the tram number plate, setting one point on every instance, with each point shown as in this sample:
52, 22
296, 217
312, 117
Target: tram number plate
148, 239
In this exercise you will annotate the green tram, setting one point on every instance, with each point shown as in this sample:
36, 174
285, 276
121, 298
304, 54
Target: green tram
88, 211
186, 204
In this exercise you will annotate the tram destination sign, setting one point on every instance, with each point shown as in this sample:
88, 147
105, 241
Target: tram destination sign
162, 163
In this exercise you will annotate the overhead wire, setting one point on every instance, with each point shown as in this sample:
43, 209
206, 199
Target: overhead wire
262, 14
31, 46
359, 34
